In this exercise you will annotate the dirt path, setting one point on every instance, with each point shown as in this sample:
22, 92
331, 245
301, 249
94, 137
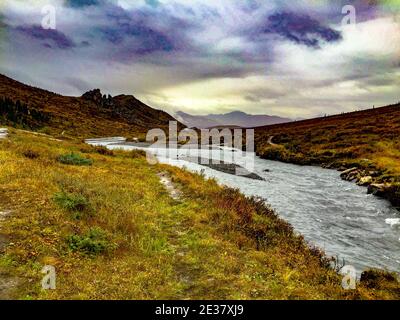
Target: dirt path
3, 239
7, 284
179, 234
41, 135
270, 141
165, 179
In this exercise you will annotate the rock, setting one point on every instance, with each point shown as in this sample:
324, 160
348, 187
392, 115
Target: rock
330, 166
365, 181
393, 221
266, 170
93, 95
345, 174
377, 189
3, 133
374, 173
229, 168
98, 98
353, 176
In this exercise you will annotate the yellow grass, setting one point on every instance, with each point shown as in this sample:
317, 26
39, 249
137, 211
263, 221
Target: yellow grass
213, 243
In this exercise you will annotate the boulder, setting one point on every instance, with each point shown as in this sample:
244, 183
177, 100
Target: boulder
374, 173
365, 181
377, 189
347, 173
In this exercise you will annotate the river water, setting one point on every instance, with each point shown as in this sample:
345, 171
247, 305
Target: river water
335, 215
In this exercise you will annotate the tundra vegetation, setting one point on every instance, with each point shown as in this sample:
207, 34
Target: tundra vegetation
112, 231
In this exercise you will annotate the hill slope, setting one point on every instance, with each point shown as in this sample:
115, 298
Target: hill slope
88, 116
236, 118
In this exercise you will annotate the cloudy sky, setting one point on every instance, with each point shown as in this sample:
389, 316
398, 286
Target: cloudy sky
287, 58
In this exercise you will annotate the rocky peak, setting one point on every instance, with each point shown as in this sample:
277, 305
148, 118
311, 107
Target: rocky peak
94, 95
97, 97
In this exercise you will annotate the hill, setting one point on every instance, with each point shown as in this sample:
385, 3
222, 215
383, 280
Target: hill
366, 141
91, 115
235, 118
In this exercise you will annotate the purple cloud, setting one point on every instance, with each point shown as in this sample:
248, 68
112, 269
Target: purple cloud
143, 32
81, 3
48, 37
300, 29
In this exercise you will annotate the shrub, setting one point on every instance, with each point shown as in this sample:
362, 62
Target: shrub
86, 149
74, 159
76, 203
98, 149
137, 154
45, 130
30, 154
94, 242
104, 151
377, 279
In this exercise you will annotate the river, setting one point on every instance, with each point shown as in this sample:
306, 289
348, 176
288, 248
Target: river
335, 215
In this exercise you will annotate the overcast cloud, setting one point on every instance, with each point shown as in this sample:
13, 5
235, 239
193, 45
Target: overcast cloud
292, 59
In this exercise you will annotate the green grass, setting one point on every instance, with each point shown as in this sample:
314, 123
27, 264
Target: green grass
138, 243
74, 159
94, 242
77, 204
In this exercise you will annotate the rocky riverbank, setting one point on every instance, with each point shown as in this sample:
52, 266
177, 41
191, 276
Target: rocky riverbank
372, 180
377, 181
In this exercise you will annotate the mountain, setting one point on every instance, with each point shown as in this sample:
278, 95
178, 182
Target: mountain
196, 121
235, 118
91, 115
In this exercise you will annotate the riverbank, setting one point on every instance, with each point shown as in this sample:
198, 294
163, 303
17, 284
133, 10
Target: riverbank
379, 182
112, 230
366, 140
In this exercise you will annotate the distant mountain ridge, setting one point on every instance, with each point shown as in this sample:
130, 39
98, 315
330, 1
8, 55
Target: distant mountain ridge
235, 118
91, 115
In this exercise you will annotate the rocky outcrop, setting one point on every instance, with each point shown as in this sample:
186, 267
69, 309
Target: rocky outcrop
370, 179
98, 98
360, 176
130, 109
349, 174
388, 191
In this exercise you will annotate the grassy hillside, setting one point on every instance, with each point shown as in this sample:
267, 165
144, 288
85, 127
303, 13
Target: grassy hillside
112, 231
92, 115
368, 140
